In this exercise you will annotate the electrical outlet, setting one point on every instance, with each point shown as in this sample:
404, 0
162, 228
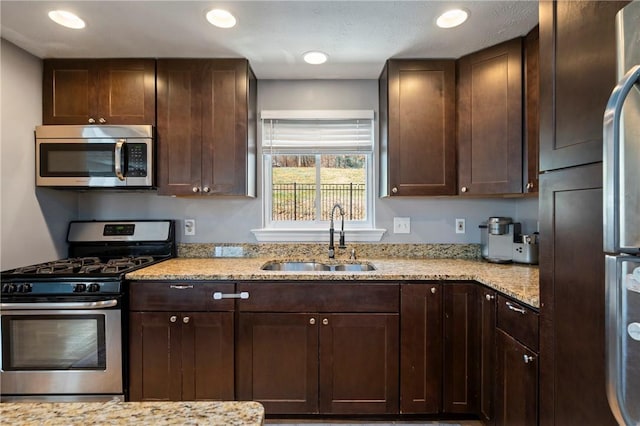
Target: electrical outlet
189, 227
401, 225
460, 226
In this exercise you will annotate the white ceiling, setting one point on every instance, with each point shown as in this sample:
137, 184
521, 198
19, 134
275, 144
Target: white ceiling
358, 36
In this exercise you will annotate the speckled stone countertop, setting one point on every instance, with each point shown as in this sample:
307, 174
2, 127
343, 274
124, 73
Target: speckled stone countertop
139, 413
517, 281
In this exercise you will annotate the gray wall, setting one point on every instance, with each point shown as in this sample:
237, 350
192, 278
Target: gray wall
231, 219
33, 223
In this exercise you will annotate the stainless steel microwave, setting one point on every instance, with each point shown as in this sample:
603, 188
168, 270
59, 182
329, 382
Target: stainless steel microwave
100, 156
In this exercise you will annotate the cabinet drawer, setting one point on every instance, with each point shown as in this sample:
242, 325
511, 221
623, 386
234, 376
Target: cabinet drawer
319, 297
518, 321
179, 296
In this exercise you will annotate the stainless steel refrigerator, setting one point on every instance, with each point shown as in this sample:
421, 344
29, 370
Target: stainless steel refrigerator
622, 222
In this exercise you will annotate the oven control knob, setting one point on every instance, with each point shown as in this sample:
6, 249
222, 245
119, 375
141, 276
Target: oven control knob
8, 288
79, 288
94, 287
24, 288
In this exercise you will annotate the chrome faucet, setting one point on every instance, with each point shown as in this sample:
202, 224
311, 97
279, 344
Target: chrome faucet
332, 252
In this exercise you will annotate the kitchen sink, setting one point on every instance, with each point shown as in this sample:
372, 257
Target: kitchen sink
316, 266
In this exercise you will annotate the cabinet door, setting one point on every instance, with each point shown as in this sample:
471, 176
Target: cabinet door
420, 348
359, 363
577, 74
418, 128
179, 126
207, 356
225, 127
155, 358
277, 361
487, 336
531, 111
127, 91
69, 91
460, 349
490, 120
572, 296
517, 399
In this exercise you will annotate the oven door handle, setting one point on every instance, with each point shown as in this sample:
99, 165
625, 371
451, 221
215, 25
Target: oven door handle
60, 305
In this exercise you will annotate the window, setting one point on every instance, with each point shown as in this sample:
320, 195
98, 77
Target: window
313, 160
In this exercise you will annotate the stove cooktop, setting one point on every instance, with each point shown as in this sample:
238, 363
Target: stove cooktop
83, 265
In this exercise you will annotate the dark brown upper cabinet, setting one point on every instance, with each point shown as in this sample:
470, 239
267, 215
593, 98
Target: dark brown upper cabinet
531, 111
206, 127
99, 91
490, 120
417, 128
577, 74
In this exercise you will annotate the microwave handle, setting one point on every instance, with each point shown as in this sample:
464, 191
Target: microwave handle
118, 157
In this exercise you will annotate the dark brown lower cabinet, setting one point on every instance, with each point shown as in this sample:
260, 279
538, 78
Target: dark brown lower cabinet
460, 348
181, 356
295, 363
420, 348
487, 337
517, 383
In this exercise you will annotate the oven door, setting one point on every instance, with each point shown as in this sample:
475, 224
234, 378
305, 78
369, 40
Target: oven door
57, 349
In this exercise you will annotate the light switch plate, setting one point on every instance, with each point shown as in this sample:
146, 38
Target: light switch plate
189, 227
401, 225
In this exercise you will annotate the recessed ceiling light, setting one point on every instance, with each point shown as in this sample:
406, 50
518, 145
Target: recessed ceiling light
221, 18
66, 19
315, 57
452, 18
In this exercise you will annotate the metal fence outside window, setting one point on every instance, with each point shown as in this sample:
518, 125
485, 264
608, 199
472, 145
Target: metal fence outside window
296, 201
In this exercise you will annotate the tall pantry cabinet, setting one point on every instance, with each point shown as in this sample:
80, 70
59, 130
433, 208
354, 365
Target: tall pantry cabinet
577, 73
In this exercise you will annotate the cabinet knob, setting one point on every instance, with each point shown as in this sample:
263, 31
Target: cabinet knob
91, 121
173, 318
325, 321
206, 189
195, 189
528, 359
530, 185
433, 290
489, 297
312, 321
185, 320
394, 190
102, 120
464, 189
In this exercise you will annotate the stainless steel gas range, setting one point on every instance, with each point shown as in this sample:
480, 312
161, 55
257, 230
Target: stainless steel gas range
62, 328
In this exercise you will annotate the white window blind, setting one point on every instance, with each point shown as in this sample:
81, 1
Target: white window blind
335, 131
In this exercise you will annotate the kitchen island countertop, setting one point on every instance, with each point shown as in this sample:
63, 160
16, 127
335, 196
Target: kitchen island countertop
143, 413
518, 281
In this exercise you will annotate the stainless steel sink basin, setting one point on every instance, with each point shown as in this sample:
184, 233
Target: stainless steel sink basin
295, 266
316, 266
354, 267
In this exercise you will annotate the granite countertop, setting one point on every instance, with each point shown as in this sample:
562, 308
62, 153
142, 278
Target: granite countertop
141, 413
517, 281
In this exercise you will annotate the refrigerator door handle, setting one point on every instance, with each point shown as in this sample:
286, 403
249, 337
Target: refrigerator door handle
611, 157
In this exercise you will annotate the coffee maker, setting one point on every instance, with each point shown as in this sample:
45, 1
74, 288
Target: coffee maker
502, 242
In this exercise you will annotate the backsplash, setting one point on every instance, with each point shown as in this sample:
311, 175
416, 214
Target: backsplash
319, 251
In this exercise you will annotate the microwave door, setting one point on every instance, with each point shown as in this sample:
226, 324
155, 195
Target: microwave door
623, 337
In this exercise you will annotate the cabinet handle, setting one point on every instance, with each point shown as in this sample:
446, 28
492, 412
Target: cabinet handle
433, 290
530, 185
206, 189
185, 320
325, 321
218, 295
312, 321
173, 318
394, 190
515, 308
528, 359
91, 121
102, 120
464, 189
181, 286
195, 189
489, 297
